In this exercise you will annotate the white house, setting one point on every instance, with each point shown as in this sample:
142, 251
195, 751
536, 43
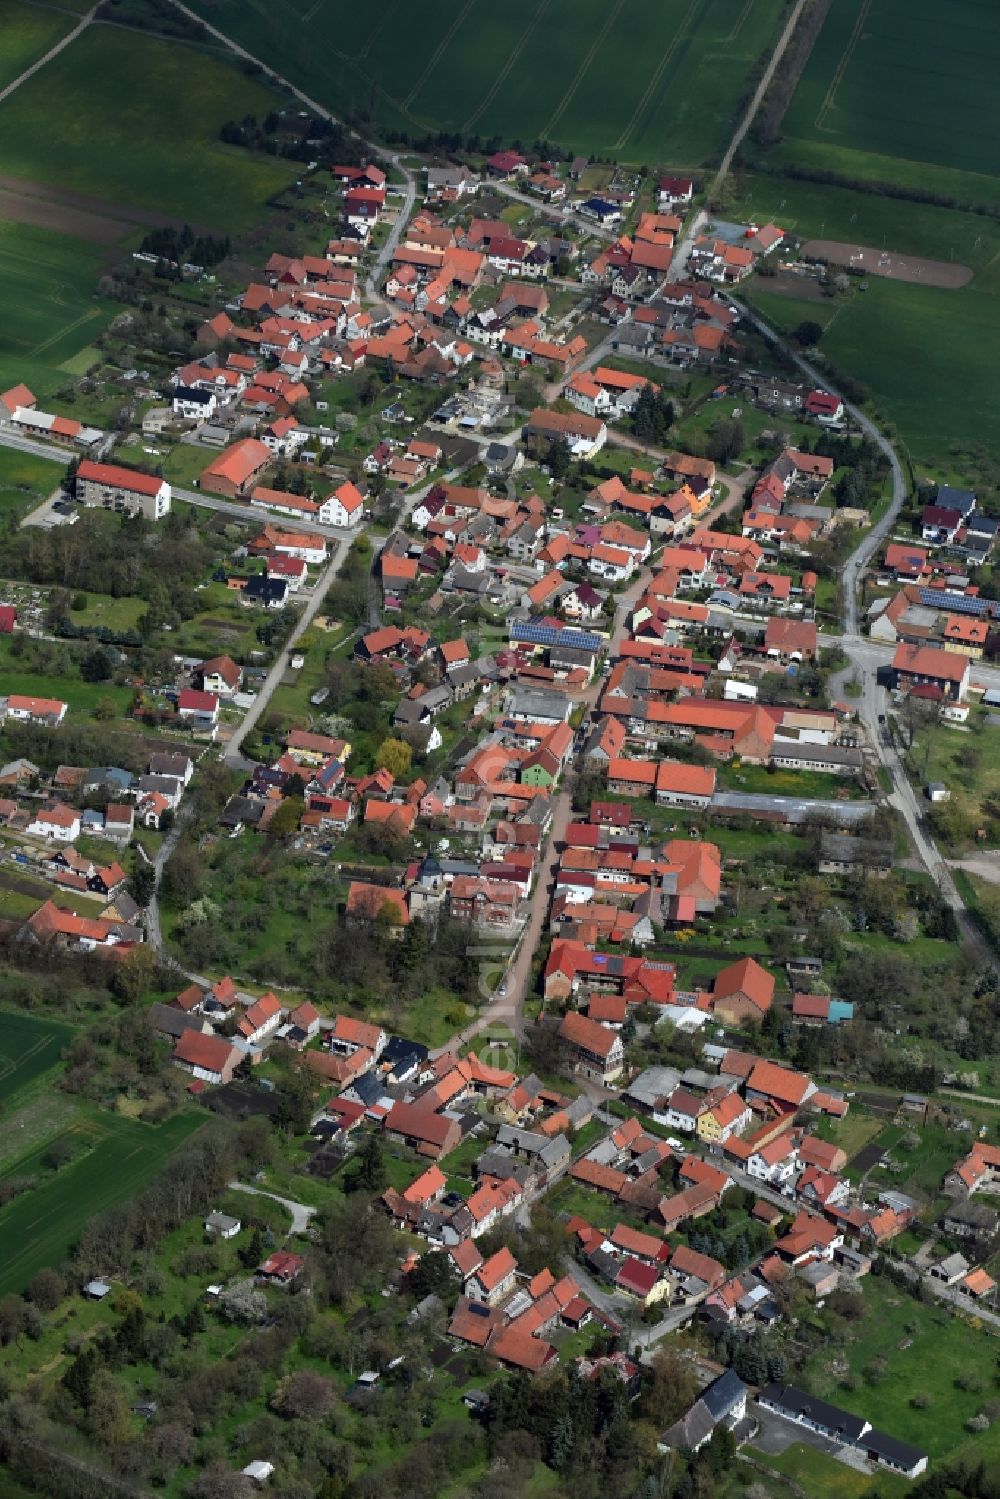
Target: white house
57, 822
310, 549
193, 402
221, 1226
198, 705
43, 710
344, 507
284, 437
682, 1111
260, 1019
775, 1163
614, 564
122, 489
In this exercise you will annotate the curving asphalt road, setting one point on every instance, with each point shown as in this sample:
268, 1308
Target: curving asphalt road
301, 1211
866, 656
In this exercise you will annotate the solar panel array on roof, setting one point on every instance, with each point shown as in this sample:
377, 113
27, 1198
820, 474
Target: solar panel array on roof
956, 603
534, 633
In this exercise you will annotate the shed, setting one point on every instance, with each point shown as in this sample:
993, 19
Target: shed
258, 1471
222, 1226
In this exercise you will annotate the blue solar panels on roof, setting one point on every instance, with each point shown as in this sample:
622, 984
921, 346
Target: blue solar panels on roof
957, 603
532, 632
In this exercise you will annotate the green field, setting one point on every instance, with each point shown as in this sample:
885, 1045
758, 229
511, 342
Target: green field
900, 92
28, 32
24, 480
118, 1158
854, 110
49, 302
121, 134
923, 351
28, 1048
641, 80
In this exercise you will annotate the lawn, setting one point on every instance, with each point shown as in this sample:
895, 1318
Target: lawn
822, 1477
639, 82
119, 1157
851, 1132
108, 138
433, 1017
224, 625
48, 300
22, 894
927, 1350
753, 421
24, 481
111, 613
919, 1171
28, 1048
758, 779
28, 32
184, 462
81, 696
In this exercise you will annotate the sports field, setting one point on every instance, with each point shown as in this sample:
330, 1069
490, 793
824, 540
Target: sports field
908, 80
642, 80
50, 308
118, 1157
137, 126
27, 33
28, 1048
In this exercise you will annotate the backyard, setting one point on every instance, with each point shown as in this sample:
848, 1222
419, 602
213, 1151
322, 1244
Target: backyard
914, 1369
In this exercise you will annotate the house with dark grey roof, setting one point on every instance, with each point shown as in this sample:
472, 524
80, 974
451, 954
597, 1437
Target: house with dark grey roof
844, 1427
815, 1414
723, 1402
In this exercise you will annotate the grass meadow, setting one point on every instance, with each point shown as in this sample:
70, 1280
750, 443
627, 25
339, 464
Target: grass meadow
29, 1048
117, 1158
927, 1351
120, 135
925, 352
28, 32
48, 300
81, 696
643, 81
901, 92
24, 481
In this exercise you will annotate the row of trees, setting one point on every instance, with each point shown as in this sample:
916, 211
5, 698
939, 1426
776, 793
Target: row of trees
159, 563
183, 245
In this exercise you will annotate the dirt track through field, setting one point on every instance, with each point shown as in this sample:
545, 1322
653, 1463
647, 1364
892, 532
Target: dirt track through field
23, 209
100, 220
941, 273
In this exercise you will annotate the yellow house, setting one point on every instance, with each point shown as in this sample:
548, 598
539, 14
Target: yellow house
964, 636
726, 1118
644, 1282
